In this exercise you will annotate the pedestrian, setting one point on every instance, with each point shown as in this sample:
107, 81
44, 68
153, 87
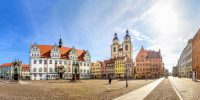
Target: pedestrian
110, 80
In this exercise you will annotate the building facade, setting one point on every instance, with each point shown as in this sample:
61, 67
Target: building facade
120, 67
149, 64
7, 71
185, 61
96, 69
103, 70
196, 54
123, 49
110, 66
174, 71
56, 61
25, 71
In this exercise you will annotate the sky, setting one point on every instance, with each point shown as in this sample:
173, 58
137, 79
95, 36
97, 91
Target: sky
91, 24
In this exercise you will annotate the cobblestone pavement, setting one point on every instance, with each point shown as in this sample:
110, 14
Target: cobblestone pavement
187, 89
164, 91
66, 90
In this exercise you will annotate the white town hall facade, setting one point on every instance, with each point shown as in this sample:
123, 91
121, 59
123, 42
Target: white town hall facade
52, 62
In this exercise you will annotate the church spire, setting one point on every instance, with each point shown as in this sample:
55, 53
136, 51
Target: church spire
60, 42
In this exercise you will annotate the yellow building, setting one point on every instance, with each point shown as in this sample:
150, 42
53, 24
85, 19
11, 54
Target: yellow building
119, 67
96, 69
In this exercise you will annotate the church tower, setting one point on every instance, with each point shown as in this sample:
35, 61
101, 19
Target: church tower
115, 46
127, 45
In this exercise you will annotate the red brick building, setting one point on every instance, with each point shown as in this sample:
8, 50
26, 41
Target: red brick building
196, 54
103, 70
149, 64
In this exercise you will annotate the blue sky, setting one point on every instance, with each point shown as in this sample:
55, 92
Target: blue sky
91, 24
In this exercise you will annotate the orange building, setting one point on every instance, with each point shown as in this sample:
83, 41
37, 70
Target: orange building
196, 54
149, 64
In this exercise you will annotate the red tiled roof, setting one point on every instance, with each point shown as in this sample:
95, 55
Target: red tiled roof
6, 65
46, 49
153, 55
149, 54
25, 65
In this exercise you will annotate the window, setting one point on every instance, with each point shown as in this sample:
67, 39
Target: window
84, 64
40, 61
40, 75
114, 49
126, 47
35, 62
55, 61
84, 71
45, 69
50, 61
34, 69
60, 62
65, 62
40, 69
50, 70
45, 61
80, 63
88, 71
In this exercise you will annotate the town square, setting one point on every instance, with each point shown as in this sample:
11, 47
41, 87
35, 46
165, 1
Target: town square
100, 50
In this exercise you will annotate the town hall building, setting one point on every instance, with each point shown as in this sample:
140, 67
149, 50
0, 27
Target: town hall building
58, 62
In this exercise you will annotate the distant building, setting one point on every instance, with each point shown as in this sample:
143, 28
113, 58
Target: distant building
110, 66
185, 61
121, 50
166, 72
96, 69
25, 71
196, 54
120, 67
7, 71
123, 66
174, 71
149, 64
56, 61
103, 70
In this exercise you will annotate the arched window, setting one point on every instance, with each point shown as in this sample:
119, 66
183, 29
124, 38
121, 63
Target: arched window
45, 69
126, 47
50, 70
34, 69
114, 49
40, 69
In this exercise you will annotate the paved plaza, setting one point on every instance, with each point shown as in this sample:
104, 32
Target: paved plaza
187, 89
66, 90
171, 88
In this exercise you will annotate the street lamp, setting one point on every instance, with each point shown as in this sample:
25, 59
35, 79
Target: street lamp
125, 60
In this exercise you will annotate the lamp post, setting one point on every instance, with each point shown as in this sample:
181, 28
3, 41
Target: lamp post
125, 60
47, 69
